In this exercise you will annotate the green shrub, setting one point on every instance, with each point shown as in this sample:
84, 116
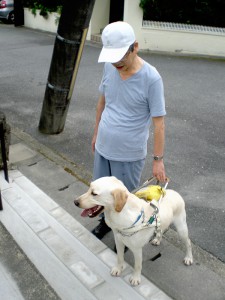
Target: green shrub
45, 6
200, 12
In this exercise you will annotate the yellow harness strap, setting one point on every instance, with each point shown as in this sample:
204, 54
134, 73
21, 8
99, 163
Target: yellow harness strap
151, 192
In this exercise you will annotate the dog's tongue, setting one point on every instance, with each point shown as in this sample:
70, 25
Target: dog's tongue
85, 212
89, 211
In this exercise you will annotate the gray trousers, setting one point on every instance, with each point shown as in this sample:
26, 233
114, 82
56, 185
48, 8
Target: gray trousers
128, 172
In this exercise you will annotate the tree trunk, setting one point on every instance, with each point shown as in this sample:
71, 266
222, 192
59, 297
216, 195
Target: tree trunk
69, 43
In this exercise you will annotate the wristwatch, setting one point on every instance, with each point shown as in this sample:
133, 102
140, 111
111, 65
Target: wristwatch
156, 157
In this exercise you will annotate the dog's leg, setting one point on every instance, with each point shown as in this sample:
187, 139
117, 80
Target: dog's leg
135, 278
188, 260
116, 270
182, 229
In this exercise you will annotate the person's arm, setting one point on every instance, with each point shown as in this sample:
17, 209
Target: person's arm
158, 168
99, 110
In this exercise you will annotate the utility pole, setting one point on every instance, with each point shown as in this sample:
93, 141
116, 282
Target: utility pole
69, 43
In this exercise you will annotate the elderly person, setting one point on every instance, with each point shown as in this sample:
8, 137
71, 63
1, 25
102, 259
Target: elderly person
131, 97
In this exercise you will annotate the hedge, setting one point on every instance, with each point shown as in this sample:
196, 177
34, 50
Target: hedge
199, 12
45, 6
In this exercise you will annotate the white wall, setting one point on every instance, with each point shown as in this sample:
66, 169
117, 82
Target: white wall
38, 22
100, 17
133, 15
182, 42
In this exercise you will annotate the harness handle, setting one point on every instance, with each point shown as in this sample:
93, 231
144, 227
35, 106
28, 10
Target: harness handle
167, 181
146, 183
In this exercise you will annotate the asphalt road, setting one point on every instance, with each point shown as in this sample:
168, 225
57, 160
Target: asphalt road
195, 139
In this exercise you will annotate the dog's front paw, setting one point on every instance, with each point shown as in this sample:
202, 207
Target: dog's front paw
116, 271
188, 260
135, 279
155, 242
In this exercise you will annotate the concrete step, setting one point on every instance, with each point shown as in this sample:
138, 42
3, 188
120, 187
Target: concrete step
75, 263
96, 38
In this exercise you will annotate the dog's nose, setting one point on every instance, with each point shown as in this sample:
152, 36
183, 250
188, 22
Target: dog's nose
76, 203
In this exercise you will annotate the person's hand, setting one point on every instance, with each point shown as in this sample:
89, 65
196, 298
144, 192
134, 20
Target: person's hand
93, 142
158, 170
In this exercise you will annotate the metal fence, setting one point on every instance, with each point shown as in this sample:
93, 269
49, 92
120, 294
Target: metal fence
183, 27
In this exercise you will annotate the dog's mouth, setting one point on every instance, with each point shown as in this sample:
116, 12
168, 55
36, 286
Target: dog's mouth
92, 212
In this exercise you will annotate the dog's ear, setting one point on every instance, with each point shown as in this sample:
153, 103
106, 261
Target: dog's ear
120, 199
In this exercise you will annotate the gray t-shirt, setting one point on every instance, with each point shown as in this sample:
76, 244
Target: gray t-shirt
129, 105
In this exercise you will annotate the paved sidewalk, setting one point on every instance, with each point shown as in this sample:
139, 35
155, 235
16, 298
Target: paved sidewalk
40, 215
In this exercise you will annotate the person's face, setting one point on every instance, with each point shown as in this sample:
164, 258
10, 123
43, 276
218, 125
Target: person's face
127, 61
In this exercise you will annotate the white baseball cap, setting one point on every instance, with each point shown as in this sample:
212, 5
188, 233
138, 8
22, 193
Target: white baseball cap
117, 37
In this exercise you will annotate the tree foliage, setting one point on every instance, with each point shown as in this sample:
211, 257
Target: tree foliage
200, 12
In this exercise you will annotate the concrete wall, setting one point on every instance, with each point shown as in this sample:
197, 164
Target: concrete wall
133, 15
38, 22
182, 41
100, 17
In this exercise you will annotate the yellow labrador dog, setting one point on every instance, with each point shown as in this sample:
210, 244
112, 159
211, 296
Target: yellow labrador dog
134, 221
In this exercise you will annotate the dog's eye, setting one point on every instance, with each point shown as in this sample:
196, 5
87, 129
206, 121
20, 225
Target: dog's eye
93, 193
